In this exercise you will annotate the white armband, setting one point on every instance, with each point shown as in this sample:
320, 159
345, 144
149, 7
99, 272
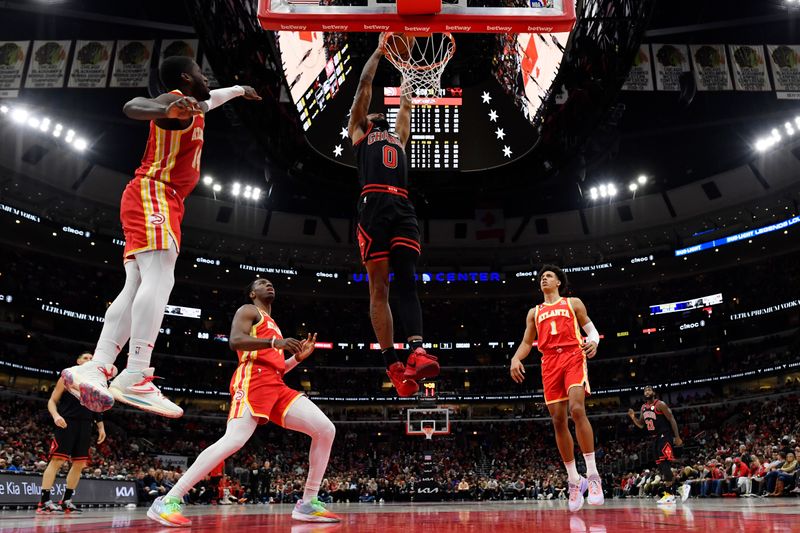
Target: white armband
217, 97
291, 363
591, 333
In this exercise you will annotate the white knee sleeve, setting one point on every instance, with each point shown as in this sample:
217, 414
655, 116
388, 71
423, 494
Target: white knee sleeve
117, 324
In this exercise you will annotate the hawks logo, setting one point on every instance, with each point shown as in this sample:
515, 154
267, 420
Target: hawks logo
156, 219
238, 396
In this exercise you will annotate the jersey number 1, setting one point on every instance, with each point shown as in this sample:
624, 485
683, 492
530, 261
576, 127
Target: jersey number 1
390, 157
553, 330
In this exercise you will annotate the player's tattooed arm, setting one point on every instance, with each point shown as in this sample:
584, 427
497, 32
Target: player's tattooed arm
524, 348
169, 110
637, 420
403, 124
357, 126
667, 412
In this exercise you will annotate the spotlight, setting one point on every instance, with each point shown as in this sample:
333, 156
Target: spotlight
33, 122
19, 116
56, 132
208, 180
612, 190
45, 125
593, 193
217, 187
4, 109
642, 179
80, 144
632, 187
236, 189
256, 193
248, 193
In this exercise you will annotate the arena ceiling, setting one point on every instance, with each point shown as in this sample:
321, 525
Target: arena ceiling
673, 138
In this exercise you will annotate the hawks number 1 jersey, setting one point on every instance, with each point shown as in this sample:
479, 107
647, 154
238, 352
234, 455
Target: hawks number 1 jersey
266, 328
557, 326
173, 156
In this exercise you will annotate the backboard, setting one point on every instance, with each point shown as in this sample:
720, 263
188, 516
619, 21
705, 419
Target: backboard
464, 16
419, 418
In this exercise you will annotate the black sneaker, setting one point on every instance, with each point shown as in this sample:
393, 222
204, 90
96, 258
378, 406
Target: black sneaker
69, 507
48, 507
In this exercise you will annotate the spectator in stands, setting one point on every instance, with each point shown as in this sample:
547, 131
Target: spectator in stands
785, 475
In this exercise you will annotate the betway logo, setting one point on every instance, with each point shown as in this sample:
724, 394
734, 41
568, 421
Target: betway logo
335, 27
424, 29
125, 492
370, 27
498, 28
293, 27
457, 28
540, 29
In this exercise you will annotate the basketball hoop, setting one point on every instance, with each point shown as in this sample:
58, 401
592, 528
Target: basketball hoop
428, 431
421, 61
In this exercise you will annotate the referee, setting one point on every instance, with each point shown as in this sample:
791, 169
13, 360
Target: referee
71, 441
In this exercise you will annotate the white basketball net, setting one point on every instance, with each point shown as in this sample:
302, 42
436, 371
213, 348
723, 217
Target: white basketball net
422, 70
428, 431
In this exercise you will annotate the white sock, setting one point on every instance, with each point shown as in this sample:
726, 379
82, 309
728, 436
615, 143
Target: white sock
157, 269
117, 323
591, 467
305, 417
572, 472
237, 433
139, 355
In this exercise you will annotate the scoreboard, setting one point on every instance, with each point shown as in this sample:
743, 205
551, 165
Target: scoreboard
435, 127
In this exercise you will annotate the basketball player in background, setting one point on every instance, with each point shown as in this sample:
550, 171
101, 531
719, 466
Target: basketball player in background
556, 323
657, 418
259, 395
388, 231
151, 212
70, 442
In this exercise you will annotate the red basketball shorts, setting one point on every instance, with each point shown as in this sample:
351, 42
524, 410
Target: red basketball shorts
561, 371
261, 390
151, 212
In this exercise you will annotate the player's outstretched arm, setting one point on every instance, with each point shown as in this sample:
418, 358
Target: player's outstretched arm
403, 124
524, 348
667, 412
357, 126
168, 106
218, 97
592, 336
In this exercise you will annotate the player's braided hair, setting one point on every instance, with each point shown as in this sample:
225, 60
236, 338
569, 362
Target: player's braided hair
562, 277
171, 69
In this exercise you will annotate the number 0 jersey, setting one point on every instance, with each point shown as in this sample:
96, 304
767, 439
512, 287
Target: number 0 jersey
173, 156
557, 326
381, 160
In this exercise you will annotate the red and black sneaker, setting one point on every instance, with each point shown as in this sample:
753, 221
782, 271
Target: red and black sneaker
421, 365
405, 387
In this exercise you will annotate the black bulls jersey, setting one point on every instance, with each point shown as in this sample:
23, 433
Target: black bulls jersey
654, 421
381, 159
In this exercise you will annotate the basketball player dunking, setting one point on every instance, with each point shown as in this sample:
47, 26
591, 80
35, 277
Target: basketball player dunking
657, 418
151, 212
388, 231
259, 395
556, 323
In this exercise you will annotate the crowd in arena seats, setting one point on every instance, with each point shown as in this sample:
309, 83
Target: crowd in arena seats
479, 461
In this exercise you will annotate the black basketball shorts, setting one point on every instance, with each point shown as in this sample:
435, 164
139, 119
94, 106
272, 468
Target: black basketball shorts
385, 222
72, 442
663, 449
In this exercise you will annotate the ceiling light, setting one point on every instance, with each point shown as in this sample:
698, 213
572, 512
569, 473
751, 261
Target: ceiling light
19, 116
612, 190
632, 187
33, 122
4, 109
256, 193
80, 144
208, 180
217, 187
248, 193
642, 179
45, 125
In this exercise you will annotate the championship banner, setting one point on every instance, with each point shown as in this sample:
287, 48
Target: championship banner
640, 77
90, 64
213, 82
749, 68
48, 65
785, 61
26, 490
12, 63
178, 47
711, 67
671, 60
132, 64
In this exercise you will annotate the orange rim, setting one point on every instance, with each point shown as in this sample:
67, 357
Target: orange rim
397, 62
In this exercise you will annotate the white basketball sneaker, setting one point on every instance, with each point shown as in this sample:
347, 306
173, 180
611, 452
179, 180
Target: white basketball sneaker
89, 383
595, 496
685, 491
135, 388
576, 491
